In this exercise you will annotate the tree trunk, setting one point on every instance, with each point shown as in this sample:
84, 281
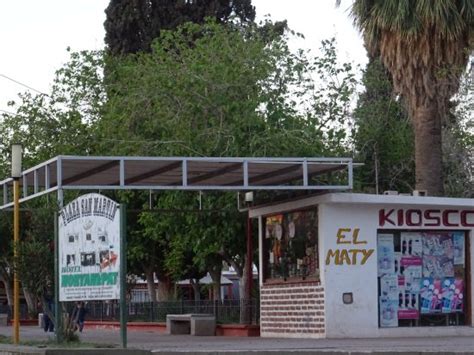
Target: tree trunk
196, 289
428, 150
30, 302
165, 289
243, 280
216, 283
150, 282
245, 315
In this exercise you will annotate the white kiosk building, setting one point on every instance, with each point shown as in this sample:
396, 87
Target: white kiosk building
344, 265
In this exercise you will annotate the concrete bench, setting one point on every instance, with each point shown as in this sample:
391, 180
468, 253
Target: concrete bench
194, 324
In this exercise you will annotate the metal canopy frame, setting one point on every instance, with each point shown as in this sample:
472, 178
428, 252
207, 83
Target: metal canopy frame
175, 173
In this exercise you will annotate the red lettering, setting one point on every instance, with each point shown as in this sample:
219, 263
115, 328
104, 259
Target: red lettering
400, 217
430, 220
464, 218
409, 218
385, 217
446, 222
427, 218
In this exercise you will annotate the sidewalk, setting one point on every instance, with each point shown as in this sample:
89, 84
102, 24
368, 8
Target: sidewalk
167, 344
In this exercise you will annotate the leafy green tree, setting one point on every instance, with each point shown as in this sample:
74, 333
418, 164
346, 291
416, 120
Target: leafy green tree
458, 141
383, 135
425, 46
212, 90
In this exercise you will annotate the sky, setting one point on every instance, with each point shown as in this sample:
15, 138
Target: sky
35, 35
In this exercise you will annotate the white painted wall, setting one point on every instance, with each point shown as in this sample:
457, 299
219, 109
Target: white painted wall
361, 317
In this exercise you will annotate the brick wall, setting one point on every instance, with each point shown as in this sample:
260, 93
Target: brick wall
292, 310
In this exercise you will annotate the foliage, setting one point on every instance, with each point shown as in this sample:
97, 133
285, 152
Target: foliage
212, 90
35, 262
227, 95
383, 135
132, 25
458, 141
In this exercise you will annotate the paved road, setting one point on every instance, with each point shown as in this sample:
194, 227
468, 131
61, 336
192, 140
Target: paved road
185, 343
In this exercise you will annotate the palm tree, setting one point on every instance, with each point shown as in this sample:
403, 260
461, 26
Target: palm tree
425, 45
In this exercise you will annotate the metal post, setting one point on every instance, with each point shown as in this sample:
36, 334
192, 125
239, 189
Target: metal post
16, 240
57, 305
123, 274
248, 293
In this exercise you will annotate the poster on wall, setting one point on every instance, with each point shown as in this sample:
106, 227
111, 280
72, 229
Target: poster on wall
409, 279
458, 245
452, 291
438, 255
389, 287
386, 255
388, 312
430, 296
89, 249
411, 244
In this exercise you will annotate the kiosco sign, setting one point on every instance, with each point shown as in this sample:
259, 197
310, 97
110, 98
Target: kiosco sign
89, 249
425, 218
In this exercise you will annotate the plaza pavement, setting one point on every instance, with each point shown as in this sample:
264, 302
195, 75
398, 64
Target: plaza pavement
186, 344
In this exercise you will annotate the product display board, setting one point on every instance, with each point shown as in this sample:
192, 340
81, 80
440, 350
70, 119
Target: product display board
89, 249
291, 248
421, 276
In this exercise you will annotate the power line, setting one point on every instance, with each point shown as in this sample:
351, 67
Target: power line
20, 83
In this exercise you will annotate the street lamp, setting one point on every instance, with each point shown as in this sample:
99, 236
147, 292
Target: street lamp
16, 174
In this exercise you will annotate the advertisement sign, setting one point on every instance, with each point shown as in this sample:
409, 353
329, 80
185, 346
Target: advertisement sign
386, 255
89, 249
388, 312
438, 255
458, 242
431, 296
452, 292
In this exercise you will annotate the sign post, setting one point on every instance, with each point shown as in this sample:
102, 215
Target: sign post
123, 275
91, 253
57, 305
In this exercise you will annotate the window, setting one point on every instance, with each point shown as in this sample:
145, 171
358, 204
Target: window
291, 246
88, 259
422, 278
71, 239
88, 236
70, 260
